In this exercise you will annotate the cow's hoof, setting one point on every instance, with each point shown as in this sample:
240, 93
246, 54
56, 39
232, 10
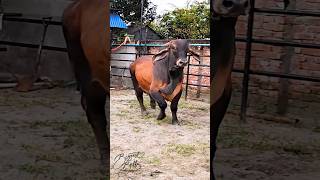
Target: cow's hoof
161, 116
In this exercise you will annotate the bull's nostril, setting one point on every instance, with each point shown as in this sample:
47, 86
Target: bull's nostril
227, 4
246, 4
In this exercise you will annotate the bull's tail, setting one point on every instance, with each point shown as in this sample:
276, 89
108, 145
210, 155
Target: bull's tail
133, 76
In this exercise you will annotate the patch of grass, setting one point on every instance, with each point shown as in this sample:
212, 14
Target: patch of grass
316, 129
297, 149
191, 125
30, 148
51, 157
193, 106
39, 124
136, 129
34, 168
239, 137
148, 116
185, 105
154, 161
76, 128
166, 120
181, 149
203, 147
69, 142
133, 103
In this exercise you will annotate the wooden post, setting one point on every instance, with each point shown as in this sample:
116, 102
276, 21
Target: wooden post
283, 96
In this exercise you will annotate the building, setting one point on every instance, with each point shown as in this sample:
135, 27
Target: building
147, 33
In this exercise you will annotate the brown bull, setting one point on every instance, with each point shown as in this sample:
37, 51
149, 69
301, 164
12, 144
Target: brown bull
86, 30
224, 18
161, 76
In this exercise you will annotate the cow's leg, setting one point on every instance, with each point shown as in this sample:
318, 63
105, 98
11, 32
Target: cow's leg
161, 102
174, 108
219, 109
152, 103
95, 99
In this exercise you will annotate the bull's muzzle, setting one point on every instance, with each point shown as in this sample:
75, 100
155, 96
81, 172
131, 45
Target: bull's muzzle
236, 7
181, 63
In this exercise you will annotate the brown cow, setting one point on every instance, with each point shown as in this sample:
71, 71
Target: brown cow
86, 30
161, 76
224, 18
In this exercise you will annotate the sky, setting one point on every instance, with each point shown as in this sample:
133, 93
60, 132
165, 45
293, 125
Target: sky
168, 5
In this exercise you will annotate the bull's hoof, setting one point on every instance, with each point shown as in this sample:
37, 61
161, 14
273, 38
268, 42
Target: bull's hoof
144, 113
161, 116
175, 122
153, 105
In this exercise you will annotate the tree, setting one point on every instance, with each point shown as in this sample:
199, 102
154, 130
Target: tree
192, 22
131, 10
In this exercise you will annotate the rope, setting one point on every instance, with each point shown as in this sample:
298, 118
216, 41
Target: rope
126, 40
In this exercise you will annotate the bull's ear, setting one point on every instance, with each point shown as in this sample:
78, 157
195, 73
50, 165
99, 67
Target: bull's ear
194, 54
160, 55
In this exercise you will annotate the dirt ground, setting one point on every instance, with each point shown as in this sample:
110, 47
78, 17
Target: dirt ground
262, 150
168, 151
45, 135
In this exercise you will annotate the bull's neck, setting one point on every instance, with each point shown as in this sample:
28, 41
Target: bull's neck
223, 41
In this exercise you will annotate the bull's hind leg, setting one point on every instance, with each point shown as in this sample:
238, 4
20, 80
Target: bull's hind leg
138, 91
152, 103
174, 108
95, 99
161, 102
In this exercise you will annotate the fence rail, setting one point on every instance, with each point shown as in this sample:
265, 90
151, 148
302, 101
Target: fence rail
249, 40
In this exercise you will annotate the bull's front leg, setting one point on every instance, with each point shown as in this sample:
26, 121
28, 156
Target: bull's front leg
175, 75
161, 102
174, 108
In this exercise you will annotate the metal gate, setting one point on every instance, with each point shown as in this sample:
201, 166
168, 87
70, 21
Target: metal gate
249, 40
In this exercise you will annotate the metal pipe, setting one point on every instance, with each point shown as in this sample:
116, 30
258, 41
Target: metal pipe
187, 81
245, 82
287, 12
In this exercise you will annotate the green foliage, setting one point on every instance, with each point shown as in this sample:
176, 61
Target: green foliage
131, 10
186, 23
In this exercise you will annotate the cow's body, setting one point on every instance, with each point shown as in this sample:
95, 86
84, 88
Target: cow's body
86, 30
